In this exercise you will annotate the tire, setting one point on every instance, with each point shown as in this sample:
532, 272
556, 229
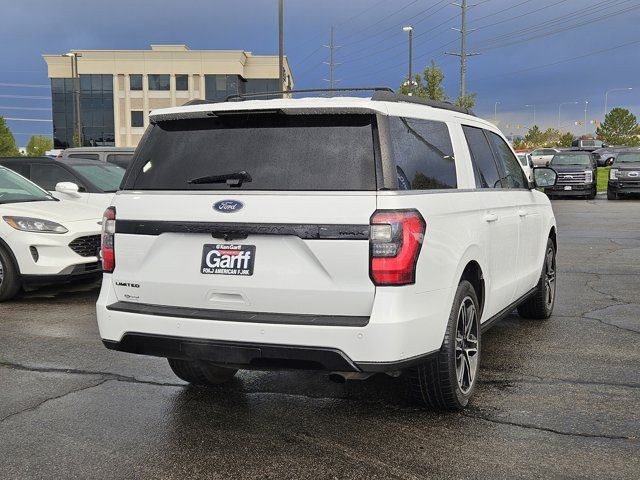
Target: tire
201, 373
443, 382
540, 305
611, 195
9, 276
593, 194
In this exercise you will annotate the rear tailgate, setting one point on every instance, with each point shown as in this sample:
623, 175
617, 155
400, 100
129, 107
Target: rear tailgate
309, 261
293, 239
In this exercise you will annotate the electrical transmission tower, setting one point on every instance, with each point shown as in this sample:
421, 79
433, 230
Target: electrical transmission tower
332, 64
463, 54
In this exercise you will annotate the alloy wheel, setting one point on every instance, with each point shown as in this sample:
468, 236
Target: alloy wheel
1, 272
466, 345
550, 278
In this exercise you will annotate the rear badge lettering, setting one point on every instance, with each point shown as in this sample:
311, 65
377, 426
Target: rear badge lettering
223, 259
228, 206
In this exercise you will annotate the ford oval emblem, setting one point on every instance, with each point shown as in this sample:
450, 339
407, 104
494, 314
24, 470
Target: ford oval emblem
228, 206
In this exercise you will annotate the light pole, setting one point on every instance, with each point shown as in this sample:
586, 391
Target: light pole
495, 111
586, 107
410, 78
76, 92
606, 98
534, 112
280, 45
560, 108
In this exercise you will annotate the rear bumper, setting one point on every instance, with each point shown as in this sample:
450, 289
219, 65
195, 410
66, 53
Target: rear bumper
402, 328
252, 355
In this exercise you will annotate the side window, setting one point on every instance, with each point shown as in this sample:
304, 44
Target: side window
120, 159
19, 168
484, 165
513, 174
89, 156
47, 176
423, 153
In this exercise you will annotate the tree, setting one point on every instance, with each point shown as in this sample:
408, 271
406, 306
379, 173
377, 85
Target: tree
620, 127
565, 140
38, 145
431, 88
8, 146
519, 144
468, 101
534, 137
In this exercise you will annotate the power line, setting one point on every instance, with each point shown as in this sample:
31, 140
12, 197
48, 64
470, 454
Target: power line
25, 108
31, 97
564, 22
24, 85
339, 24
570, 59
27, 119
379, 21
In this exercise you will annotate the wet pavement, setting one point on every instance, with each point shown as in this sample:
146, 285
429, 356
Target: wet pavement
559, 398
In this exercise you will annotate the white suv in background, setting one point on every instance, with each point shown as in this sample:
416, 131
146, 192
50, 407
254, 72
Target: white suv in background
355, 235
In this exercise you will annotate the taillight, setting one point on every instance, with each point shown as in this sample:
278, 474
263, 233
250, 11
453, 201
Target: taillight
394, 245
107, 251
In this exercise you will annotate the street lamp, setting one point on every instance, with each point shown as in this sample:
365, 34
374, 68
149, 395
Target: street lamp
495, 111
586, 107
606, 97
410, 30
76, 92
534, 112
559, 109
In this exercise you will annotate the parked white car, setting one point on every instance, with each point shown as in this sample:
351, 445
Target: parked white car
86, 181
43, 240
542, 156
527, 164
353, 235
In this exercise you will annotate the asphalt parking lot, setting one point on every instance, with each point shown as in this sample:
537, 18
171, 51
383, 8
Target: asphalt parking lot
556, 399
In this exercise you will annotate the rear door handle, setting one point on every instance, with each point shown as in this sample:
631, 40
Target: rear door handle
490, 217
522, 212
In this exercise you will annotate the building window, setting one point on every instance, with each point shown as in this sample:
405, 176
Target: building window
158, 82
219, 87
135, 81
96, 111
182, 82
137, 119
261, 85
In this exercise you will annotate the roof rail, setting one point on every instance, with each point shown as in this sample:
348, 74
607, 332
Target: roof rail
245, 96
390, 96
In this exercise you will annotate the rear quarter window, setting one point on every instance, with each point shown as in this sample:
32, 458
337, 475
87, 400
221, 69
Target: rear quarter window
423, 154
280, 152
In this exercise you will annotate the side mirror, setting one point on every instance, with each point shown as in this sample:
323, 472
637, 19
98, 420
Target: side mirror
544, 177
68, 188
609, 162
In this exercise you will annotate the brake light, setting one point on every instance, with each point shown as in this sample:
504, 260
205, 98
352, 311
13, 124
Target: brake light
395, 240
107, 251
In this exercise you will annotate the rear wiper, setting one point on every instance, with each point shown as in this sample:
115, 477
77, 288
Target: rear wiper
235, 179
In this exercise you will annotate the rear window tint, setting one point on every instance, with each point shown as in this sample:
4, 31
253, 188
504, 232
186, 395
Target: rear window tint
423, 154
278, 151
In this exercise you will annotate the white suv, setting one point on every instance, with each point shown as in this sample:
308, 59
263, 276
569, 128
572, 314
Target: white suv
355, 235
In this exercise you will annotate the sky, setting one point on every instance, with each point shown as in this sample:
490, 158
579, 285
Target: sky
531, 52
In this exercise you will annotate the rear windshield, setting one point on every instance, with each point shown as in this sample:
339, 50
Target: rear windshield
267, 151
105, 176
